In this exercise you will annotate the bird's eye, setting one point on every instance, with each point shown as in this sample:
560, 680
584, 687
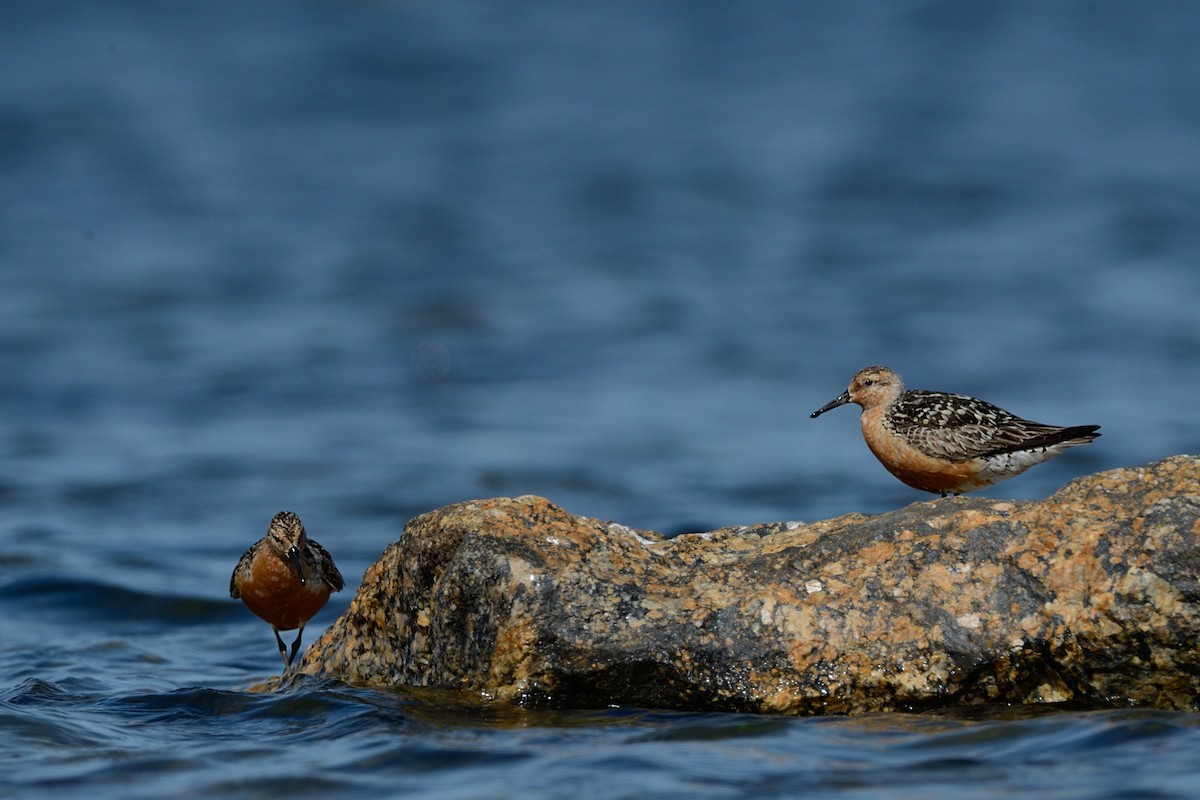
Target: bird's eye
868, 382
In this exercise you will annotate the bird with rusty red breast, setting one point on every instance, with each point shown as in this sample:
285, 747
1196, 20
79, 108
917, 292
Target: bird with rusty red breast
949, 443
285, 578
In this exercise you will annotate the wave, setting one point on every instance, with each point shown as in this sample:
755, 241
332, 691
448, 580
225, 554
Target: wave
88, 600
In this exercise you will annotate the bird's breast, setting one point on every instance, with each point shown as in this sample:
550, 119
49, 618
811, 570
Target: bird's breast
271, 590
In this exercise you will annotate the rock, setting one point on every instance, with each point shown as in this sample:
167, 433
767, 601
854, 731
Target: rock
1091, 595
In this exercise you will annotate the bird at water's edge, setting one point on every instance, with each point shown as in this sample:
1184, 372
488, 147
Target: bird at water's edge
949, 443
285, 578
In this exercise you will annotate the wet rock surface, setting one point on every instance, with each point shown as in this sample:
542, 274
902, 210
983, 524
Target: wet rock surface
1091, 595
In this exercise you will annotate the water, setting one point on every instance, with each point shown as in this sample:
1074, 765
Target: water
360, 260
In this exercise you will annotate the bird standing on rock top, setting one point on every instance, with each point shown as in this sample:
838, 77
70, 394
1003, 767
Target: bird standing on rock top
948, 443
285, 578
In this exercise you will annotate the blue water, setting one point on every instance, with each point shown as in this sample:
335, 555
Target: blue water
360, 260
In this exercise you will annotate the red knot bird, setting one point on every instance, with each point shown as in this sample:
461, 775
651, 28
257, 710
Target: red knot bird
948, 443
285, 578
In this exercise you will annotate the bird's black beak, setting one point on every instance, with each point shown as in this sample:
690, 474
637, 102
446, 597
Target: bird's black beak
840, 400
297, 560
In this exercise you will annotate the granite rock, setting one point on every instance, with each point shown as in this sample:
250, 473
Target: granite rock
1091, 595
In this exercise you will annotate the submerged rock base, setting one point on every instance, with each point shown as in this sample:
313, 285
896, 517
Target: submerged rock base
1092, 595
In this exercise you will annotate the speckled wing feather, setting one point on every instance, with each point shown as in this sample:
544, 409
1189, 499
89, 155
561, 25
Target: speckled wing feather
243, 563
959, 428
328, 569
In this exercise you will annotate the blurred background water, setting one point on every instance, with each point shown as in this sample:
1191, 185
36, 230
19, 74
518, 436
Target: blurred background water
362, 259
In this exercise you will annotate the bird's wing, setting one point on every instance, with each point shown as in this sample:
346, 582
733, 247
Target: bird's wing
959, 428
332, 576
243, 563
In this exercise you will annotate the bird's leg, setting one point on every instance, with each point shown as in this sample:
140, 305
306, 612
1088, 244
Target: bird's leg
287, 662
295, 645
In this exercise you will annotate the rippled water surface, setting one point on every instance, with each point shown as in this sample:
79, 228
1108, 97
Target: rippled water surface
360, 260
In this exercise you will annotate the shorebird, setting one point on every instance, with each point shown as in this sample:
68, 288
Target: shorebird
948, 443
285, 578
